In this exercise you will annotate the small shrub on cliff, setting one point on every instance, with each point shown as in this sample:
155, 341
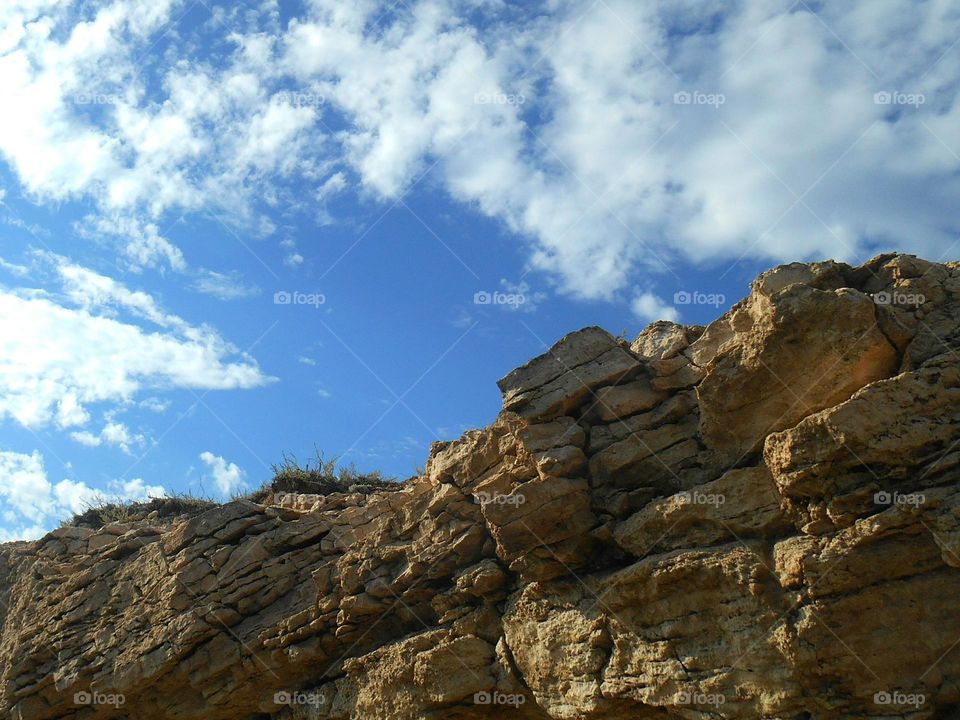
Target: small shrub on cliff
322, 477
104, 512
318, 477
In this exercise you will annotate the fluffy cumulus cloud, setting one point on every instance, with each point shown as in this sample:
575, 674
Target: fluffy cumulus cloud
614, 138
85, 125
97, 341
648, 307
619, 136
113, 433
32, 504
227, 476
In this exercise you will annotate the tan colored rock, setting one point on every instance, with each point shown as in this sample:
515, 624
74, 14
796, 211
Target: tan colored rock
900, 428
677, 408
642, 638
685, 376
740, 504
622, 401
663, 340
574, 559
562, 462
559, 433
541, 515
790, 355
567, 374
650, 448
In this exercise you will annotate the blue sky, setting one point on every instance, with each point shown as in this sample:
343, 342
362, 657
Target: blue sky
172, 171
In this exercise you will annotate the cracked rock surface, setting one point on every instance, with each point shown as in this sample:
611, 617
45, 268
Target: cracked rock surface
755, 519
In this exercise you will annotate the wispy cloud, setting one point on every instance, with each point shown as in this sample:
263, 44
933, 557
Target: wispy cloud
224, 286
85, 345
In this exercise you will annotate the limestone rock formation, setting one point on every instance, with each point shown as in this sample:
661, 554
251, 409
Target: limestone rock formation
756, 519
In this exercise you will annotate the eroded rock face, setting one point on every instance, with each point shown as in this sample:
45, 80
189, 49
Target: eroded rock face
756, 519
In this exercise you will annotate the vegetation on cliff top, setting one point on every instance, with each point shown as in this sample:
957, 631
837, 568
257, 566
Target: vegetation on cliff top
318, 477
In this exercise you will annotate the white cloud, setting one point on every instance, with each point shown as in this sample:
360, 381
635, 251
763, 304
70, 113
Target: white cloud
564, 125
32, 504
136, 489
650, 308
155, 404
113, 433
13, 268
224, 286
462, 319
227, 476
85, 437
141, 242
620, 176
69, 411
22, 482
332, 186
61, 355
91, 291
53, 155
292, 258
526, 298
22, 532
85, 125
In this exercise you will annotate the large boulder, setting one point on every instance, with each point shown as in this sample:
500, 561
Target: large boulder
786, 355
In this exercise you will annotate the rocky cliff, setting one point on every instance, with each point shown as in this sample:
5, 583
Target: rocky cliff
756, 519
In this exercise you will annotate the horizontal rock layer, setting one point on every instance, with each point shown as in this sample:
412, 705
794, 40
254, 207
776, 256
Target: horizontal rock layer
755, 519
